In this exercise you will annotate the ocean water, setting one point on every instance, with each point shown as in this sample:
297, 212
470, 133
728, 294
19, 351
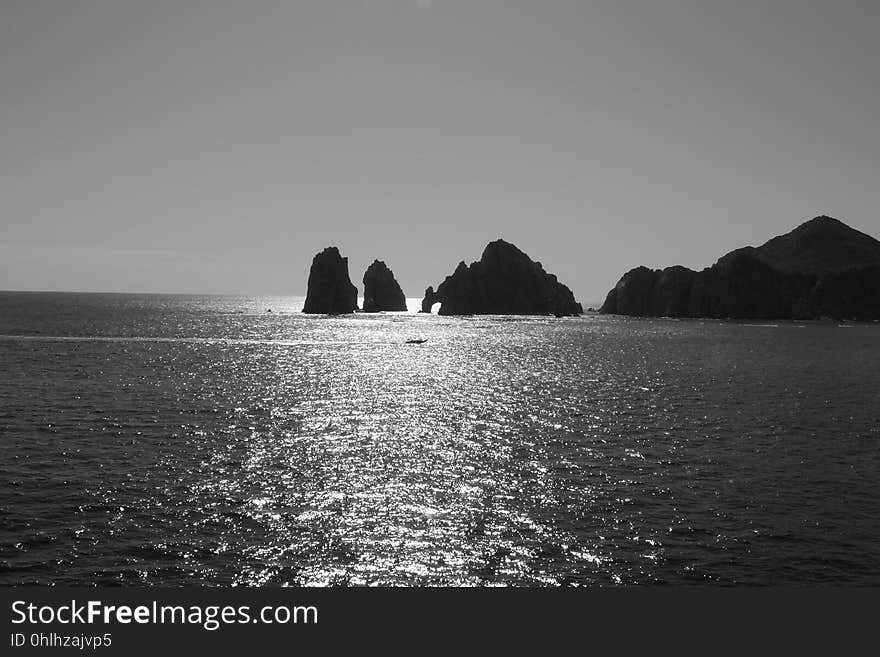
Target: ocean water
173, 440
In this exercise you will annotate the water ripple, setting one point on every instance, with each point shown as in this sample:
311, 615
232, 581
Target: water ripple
180, 443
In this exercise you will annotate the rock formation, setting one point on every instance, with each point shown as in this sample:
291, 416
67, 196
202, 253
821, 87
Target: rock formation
429, 299
381, 289
330, 290
823, 268
505, 281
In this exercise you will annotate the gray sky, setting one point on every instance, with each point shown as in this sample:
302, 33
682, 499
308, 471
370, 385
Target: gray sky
210, 146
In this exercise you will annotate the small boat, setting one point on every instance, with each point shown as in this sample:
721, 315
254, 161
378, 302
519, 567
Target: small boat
421, 341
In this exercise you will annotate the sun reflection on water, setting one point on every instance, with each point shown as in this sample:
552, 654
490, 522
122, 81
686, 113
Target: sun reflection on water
290, 450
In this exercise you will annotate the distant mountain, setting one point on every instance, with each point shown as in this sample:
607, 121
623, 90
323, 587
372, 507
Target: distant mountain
505, 281
822, 268
820, 245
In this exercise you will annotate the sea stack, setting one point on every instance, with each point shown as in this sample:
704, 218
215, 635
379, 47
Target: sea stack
505, 281
429, 299
330, 291
822, 268
381, 290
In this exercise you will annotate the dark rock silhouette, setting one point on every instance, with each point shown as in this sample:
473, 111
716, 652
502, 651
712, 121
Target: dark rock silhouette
852, 294
822, 268
330, 290
429, 299
505, 281
819, 246
381, 289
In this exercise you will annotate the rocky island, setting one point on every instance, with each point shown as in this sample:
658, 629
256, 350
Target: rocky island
822, 268
505, 281
330, 290
381, 290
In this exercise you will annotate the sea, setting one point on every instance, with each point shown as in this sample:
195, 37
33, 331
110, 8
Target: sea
203, 440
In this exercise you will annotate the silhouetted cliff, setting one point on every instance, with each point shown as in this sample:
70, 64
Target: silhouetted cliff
505, 281
823, 268
330, 289
381, 289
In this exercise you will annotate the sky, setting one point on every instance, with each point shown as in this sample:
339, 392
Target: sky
208, 146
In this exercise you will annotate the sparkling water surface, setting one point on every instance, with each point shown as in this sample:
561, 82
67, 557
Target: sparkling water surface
173, 440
